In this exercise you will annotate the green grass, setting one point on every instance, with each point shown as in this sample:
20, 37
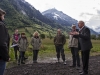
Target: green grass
48, 48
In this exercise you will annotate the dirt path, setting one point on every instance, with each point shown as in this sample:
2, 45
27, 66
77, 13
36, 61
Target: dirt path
53, 68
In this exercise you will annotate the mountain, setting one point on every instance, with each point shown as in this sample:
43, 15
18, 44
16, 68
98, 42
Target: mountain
61, 18
20, 14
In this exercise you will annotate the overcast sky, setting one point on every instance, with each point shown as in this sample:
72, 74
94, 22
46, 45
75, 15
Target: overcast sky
87, 10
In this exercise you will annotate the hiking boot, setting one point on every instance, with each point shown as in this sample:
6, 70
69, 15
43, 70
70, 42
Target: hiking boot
64, 63
78, 68
22, 63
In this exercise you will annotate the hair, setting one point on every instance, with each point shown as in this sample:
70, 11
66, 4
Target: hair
35, 33
22, 33
2, 12
82, 22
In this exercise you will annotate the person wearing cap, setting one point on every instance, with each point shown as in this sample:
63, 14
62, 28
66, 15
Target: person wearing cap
23, 44
4, 42
73, 46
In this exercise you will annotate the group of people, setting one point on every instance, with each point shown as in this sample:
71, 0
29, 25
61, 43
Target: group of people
20, 44
78, 40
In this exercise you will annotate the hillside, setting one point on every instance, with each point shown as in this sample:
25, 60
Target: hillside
22, 15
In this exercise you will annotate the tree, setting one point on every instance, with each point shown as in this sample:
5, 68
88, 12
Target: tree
42, 36
93, 37
50, 36
98, 37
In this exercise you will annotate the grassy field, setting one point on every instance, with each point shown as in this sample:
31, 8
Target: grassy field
48, 49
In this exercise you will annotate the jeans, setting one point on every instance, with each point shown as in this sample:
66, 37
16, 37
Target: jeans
21, 57
75, 56
16, 48
35, 55
60, 50
2, 67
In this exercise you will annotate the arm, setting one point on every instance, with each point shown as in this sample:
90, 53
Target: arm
86, 34
13, 40
64, 39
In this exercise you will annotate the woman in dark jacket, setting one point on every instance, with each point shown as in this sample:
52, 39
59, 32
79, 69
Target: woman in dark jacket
4, 41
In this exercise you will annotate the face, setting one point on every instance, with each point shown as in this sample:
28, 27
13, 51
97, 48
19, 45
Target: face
2, 17
80, 24
59, 31
74, 28
23, 35
36, 34
16, 31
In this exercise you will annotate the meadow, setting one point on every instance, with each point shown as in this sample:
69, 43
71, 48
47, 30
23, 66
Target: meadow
48, 49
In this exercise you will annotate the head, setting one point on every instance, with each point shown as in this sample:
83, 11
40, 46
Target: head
2, 14
73, 27
16, 31
36, 34
23, 35
81, 24
58, 31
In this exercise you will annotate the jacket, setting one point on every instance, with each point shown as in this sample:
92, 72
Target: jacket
59, 40
13, 38
36, 43
4, 41
23, 44
73, 42
85, 39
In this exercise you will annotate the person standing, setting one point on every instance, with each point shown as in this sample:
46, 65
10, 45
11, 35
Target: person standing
73, 45
36, 43
59, 41
85, 45
15, 39
4, 43
23, 44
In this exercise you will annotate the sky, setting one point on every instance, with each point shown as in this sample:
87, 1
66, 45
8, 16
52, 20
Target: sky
86, 10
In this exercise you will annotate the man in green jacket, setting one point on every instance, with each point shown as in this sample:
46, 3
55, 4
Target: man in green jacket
59, 41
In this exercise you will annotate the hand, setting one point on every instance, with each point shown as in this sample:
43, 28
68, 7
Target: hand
74, 33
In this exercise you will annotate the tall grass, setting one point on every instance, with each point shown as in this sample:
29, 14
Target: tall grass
48, 48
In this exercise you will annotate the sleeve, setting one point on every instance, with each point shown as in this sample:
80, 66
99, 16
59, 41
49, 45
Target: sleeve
13, 40
64, 39
86, 34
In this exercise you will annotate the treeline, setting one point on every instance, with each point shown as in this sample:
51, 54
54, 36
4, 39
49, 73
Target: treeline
95, 37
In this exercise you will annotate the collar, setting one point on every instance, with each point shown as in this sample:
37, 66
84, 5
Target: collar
81, 28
